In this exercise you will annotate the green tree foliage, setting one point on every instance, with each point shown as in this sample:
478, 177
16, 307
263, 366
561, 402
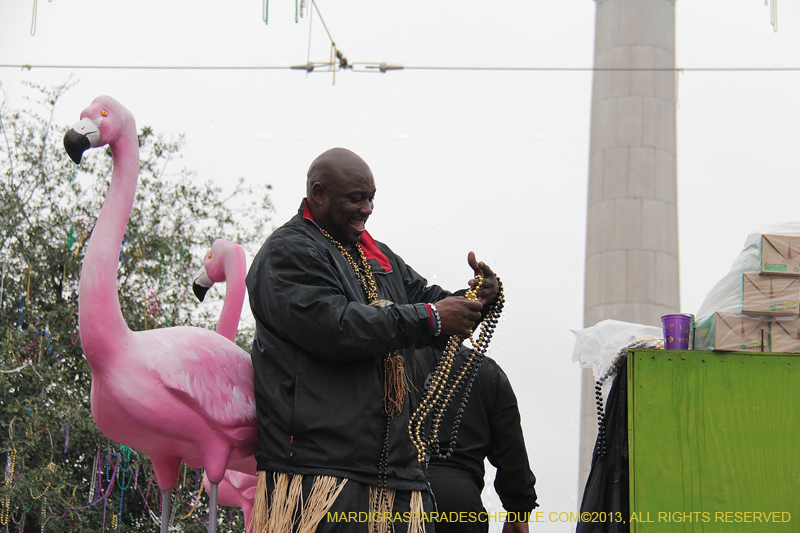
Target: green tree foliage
66, 476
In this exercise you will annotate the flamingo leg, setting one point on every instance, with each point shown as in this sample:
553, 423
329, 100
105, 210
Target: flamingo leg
212, 508
166, 496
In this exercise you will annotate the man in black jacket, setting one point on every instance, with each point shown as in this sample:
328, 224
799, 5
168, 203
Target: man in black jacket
490, 427
338, 315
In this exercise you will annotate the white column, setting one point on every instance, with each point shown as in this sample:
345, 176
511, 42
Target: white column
632, 219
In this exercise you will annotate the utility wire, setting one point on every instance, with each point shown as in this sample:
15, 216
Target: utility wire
322, 20
432, 68
613, 69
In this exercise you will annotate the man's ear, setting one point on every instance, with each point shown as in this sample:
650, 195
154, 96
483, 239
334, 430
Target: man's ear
317, 193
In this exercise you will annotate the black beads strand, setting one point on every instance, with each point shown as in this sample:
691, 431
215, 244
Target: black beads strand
611, 370
383, 464
459, 413
434, 397
445, 384
601, 425
472, 365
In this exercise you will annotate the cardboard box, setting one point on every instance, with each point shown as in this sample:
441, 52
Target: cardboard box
780, 254
785, 336
733, 332
766, 294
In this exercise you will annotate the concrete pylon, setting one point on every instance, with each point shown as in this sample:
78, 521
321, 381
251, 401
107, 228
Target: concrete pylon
632, 219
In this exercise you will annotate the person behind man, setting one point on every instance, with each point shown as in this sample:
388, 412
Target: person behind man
338, 315
489, 427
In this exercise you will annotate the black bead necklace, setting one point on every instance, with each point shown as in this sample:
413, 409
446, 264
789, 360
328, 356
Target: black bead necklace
619, 359
445, 384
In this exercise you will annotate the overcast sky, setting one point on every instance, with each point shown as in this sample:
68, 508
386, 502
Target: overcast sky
494, 162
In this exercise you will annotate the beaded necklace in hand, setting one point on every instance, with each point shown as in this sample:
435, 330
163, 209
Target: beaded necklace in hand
444, 385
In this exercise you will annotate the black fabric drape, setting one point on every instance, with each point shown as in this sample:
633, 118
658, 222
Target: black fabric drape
607, 488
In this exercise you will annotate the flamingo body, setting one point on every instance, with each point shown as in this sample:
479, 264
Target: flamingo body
225, 262
178, 394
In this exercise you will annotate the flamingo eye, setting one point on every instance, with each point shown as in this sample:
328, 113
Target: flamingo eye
209, 255
104, 113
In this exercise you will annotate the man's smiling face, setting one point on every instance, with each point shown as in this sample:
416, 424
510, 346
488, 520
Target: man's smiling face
345, 198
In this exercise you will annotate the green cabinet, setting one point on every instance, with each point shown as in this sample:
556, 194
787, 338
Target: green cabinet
714, 441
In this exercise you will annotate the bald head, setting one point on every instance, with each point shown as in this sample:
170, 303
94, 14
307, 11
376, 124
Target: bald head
339, 194
334, 164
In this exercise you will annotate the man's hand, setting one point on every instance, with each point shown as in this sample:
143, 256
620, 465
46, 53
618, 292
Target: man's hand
515, 527
458, 315
491, 287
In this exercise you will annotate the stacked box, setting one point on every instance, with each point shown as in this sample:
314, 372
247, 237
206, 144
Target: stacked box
768, 318
733, 332
780, 255
785, 336
765, 294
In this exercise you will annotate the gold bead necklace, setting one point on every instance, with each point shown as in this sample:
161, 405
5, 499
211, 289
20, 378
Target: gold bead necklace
12, 459
444, 385
394, 376
394, 380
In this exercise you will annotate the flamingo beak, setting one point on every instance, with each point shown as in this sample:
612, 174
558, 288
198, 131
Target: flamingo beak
75, 144
82, 136
201, 283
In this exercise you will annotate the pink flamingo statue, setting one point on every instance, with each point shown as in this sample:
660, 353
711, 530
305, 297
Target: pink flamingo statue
225, 262
178, 394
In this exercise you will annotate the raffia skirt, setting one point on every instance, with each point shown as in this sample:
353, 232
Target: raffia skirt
323, 504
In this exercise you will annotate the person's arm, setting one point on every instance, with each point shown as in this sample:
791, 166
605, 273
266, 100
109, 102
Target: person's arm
300, 290
515, 527
458, 315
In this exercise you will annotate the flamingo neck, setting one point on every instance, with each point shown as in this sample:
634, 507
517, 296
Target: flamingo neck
102, 325
235, 273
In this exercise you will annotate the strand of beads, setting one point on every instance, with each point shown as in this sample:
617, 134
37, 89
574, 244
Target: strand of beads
392, 405
10, 464
381, 498
52, 468
444, 385
435, 395
365, 278
95, 474
472, 364
611, 370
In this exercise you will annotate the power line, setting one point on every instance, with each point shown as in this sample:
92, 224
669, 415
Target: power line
614, 69
376, 65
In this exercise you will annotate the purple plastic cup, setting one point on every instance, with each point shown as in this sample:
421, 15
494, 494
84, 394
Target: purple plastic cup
676, 331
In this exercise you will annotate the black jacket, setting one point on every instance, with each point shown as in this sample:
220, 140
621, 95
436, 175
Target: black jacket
318, 356
490, 427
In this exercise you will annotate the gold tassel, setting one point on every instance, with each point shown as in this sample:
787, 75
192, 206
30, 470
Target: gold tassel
395, 384
382, 508
417, 524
